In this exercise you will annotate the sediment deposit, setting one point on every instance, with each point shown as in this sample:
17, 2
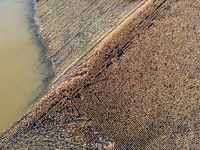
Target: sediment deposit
139, 89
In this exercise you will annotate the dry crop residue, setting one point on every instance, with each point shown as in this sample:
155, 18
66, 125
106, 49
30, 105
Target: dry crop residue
72, 28
141, 89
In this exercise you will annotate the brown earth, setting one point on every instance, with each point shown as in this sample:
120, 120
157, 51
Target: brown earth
139, 89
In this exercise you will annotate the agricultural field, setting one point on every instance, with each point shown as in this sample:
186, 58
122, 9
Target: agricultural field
138, 89
71, 28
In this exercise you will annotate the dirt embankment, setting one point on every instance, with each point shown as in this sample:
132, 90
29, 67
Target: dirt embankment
139, 89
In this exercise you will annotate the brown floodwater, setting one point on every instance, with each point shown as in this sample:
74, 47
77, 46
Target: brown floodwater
23, 68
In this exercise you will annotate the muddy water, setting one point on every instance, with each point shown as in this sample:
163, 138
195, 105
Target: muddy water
23, 68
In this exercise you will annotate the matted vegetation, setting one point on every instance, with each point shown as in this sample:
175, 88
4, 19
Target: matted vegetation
139, 89
73, 28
